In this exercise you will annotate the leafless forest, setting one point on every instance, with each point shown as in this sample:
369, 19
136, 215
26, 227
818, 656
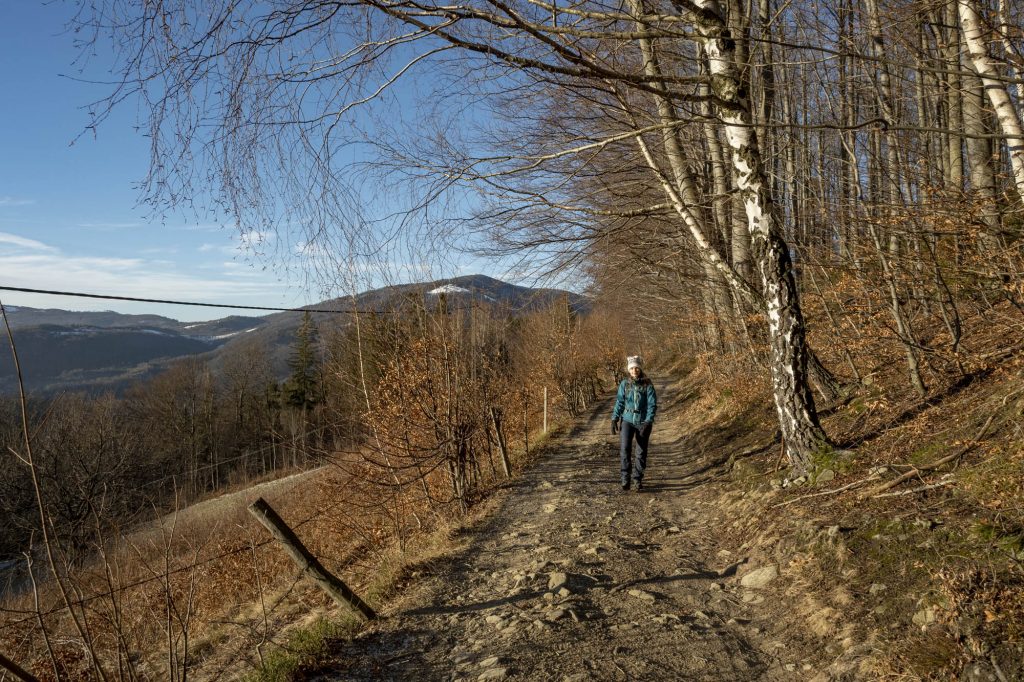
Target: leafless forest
818, 204
404, 420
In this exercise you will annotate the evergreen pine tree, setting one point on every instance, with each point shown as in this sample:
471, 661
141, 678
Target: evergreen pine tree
302, 389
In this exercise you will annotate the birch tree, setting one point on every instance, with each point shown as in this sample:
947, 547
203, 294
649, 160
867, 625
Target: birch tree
293, 72
1006, 114
798, 418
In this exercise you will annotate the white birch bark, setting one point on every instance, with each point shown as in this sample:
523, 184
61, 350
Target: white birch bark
1004, 32
1006, 113
682, 190
798, 419
979, 160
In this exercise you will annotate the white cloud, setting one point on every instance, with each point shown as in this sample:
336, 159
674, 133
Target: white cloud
141, 278
8, 238
245, 243
201, 227
254, 239
15, 201
109, 226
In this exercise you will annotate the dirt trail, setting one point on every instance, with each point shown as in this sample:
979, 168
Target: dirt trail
647, 594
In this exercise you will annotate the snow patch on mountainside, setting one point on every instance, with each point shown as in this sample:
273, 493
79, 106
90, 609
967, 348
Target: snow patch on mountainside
448, 289
230, 334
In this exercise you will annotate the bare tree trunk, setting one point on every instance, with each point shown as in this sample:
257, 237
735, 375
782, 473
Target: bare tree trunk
791, 184
719, 173
506, 465
1008, 49
979, 160
721, 210
924, 115
798, 417
954, 102
1006, 114
892, 191
682, 188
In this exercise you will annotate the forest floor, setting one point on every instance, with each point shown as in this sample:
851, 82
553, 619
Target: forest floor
569, 578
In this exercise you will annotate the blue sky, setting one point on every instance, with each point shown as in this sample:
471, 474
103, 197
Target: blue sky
69, 213
69, 218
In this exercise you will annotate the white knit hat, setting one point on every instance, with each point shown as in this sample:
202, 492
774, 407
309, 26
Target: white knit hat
634, 361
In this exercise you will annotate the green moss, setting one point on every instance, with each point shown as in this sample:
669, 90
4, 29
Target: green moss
1008, 540
928, 453
828, 458
308, 646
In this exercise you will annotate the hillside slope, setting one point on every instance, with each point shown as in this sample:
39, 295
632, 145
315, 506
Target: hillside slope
725, 569
572, 579
64, 350
721, 569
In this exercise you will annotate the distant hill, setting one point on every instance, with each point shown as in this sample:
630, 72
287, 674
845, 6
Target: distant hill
98, 351
462, 290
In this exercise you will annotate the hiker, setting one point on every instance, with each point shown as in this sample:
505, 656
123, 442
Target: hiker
635, 405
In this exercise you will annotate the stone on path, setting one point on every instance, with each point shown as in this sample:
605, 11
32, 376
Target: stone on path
642, 594
557, 580
759, 578
493, 674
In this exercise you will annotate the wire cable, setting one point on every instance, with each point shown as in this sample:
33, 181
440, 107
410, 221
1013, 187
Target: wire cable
307, 309
159, 300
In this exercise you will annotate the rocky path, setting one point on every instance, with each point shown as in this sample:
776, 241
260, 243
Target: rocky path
572, 579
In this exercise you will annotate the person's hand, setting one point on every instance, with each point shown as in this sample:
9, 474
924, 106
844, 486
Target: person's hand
645, 428
615, 426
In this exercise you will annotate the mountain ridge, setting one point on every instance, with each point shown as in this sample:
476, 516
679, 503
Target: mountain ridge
94, 351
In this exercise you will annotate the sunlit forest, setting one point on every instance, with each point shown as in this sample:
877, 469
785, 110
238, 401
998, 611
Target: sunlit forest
809, 215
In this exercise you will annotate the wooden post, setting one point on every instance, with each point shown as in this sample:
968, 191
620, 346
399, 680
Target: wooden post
545, 409
505, 463
16, 670
526, 422
310, 565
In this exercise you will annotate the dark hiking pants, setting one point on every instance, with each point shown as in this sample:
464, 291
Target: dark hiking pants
633, 467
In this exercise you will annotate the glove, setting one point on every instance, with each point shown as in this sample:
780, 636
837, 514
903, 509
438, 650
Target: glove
615, 426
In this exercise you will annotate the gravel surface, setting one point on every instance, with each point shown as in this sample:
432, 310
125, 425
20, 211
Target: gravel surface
572, 579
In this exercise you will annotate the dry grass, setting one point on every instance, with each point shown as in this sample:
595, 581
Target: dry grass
206, 592
955, 550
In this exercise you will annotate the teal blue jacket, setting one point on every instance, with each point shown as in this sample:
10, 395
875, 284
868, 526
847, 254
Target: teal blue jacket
635, 402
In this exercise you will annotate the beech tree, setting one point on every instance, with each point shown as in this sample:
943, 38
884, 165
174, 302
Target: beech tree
651, 140
263, 95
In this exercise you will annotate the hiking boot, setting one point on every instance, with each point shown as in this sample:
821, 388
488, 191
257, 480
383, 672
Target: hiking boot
638, 486
625, 486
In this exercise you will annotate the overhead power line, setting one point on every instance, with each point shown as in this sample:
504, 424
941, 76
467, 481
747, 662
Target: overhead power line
78, 294
160, 300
